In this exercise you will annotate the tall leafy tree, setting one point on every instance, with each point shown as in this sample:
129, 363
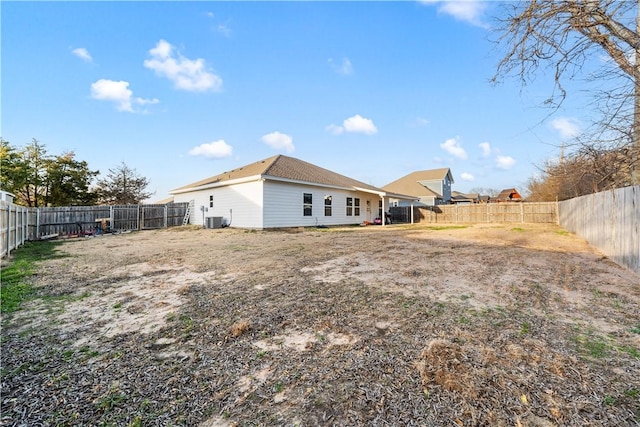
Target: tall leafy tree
38, 179
564, 35
123, 186
26, 175
12, 168
68, 181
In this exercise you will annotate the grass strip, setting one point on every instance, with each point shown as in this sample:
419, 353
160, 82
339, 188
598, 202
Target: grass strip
14, 278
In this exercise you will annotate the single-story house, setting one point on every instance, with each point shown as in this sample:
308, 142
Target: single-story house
507, 195
431, 187
283, 191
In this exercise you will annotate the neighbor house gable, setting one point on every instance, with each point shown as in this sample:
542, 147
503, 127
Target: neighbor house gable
426, 183
508, 195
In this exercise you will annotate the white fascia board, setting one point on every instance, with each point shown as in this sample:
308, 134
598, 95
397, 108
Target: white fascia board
218, 184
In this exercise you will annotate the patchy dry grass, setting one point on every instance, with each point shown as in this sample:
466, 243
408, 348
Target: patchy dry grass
399, 325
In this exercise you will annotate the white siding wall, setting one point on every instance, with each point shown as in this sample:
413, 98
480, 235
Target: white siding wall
283, 206
240, 204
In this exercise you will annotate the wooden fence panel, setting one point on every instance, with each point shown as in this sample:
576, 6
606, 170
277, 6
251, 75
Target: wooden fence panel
14, 229
125, 217
479, 213
83, 219
609, 220
69, 219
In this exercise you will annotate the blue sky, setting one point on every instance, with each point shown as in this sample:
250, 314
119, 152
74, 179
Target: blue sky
181, 91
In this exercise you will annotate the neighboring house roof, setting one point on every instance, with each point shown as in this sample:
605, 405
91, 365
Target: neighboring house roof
283, 168
509, 194
166, 201
410, 184
457, 196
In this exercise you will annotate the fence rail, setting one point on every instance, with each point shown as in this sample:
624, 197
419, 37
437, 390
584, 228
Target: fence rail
610, 221
543, 212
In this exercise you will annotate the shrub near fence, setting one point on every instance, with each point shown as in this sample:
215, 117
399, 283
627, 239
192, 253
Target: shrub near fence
610, 221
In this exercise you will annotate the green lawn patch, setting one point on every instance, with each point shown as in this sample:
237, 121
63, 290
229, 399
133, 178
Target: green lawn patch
14, 278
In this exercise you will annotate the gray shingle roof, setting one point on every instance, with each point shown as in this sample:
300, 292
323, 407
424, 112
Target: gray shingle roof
282, 167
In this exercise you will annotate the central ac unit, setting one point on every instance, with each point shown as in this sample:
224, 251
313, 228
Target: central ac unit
213, 222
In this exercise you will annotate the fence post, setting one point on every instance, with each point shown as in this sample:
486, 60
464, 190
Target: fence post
111, 218
522, 212
166, 216
9, 230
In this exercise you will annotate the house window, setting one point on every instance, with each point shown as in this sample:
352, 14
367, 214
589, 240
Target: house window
307, 202
327, 205
211, 201
380, 208
353, 206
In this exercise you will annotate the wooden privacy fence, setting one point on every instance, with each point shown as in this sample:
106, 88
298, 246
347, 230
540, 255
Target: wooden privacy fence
86, 219
19, 224
543, 212
14, 227
610, 221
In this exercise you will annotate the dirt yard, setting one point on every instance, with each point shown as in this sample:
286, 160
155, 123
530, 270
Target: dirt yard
501, 325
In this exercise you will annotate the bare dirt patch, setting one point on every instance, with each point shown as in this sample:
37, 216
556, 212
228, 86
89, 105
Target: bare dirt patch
400, 325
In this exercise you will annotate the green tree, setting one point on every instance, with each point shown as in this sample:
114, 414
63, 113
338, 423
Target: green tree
123, 186
38, 179
30, 172
564, 35
12, 168
68, 181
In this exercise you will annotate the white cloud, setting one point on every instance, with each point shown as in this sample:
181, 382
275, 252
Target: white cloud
141, 101
186, 74
470, 11
83, 54
453, 147
212, 150
355, 124
278, 141
567, 127
335, 130
486, 148
118, 92
466, 176
359, 124
345, 67
505, 162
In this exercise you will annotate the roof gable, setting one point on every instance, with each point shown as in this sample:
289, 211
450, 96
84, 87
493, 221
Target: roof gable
410, 184
509, 194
